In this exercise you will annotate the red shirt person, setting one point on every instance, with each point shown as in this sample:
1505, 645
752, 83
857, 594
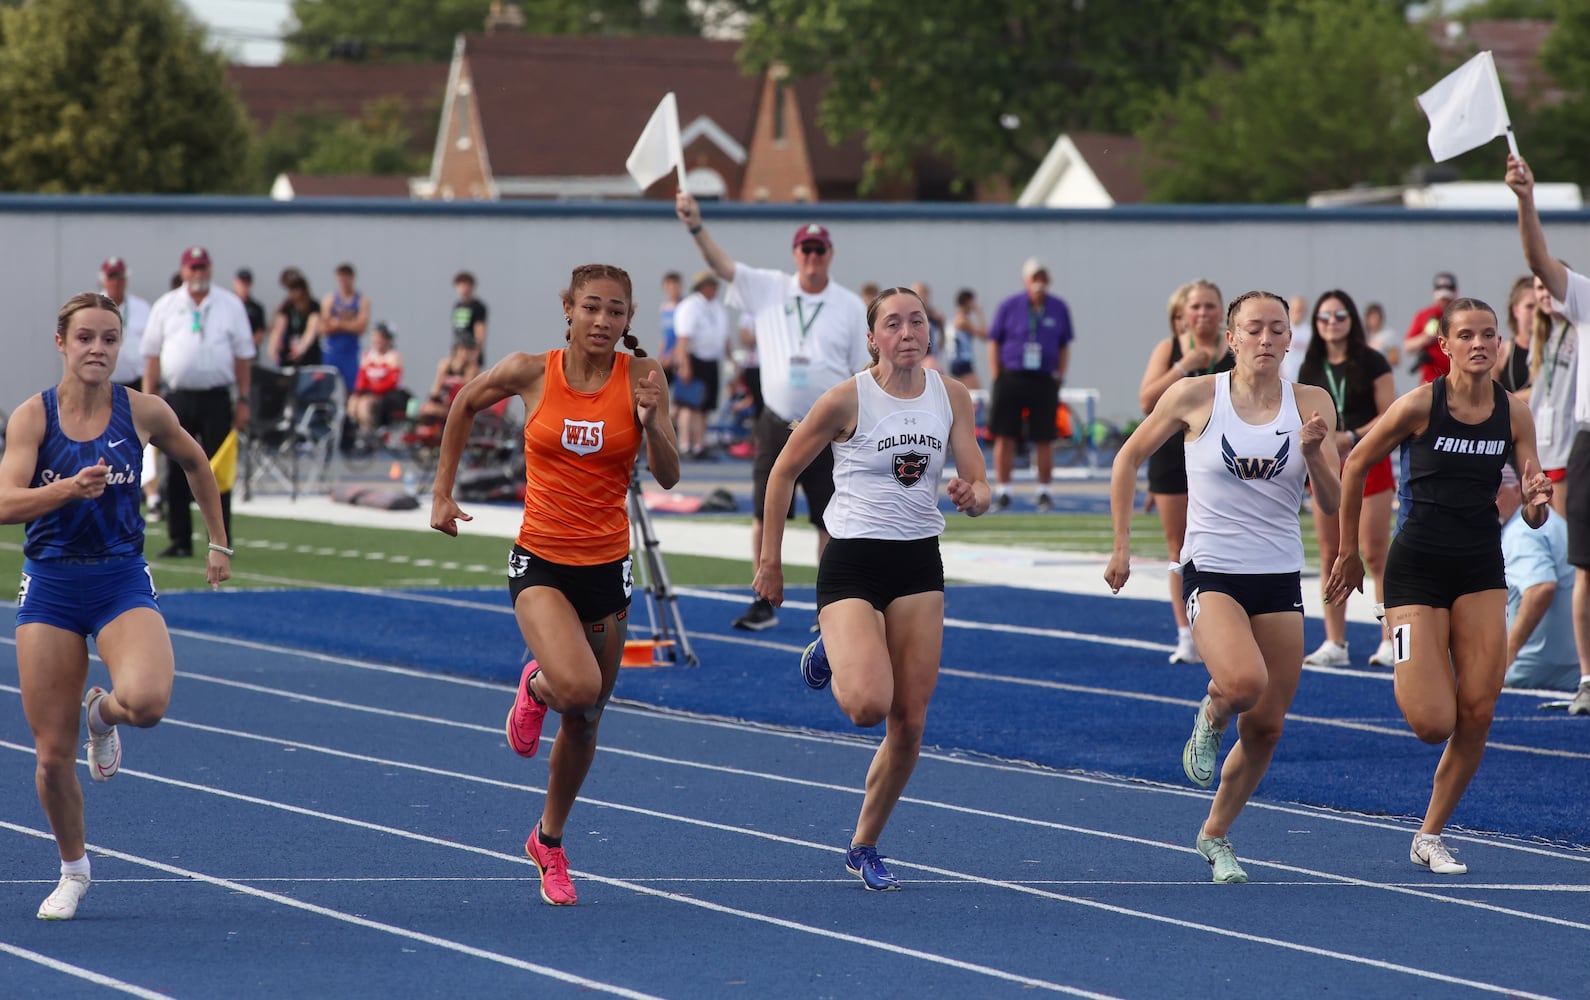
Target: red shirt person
1425, 330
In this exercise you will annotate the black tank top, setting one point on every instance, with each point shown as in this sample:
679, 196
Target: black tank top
1453, 471
1168, 466
1515, 374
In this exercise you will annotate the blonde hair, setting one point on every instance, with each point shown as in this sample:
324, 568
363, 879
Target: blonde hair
1174, 307
79, 302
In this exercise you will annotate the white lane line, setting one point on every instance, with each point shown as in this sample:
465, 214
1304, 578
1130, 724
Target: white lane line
1422, 893
97, 978
635, 887
349, 918
791, 841
784, 733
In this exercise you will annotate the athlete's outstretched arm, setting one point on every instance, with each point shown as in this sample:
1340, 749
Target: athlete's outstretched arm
514, 375
1407, 417
1318, 441
1168, 418
20, 501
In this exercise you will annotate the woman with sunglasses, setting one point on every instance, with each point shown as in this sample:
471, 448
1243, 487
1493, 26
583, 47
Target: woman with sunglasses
1362, 387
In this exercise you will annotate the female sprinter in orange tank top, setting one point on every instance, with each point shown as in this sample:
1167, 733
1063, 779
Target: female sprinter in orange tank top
587, 407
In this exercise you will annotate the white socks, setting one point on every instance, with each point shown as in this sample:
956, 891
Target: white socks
97, 726
78, 867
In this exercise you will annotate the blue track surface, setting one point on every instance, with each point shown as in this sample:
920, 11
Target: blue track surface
326, 813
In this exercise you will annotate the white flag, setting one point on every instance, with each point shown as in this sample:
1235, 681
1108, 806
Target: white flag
658, 151
1466, 109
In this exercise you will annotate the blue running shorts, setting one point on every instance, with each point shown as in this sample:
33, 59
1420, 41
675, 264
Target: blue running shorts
84, 595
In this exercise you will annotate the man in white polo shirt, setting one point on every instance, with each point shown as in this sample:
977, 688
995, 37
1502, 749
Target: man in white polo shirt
701, 326
811, 334
198, 340
134, 317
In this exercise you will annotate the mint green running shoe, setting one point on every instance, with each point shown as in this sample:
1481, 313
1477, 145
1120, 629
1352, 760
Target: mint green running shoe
1217, 851
1199, 756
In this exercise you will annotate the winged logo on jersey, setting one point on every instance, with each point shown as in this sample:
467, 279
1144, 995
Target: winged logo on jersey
1255, 468
909, 467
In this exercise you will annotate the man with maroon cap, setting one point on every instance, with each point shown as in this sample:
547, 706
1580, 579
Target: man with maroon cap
811, 335
134, 317
199, 344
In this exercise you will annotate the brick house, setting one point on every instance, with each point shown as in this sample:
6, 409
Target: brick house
534, 117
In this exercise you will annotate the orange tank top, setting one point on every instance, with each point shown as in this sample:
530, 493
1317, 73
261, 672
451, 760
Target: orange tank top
579, 450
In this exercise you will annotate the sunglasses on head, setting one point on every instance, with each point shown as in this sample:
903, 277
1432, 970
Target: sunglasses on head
814, 249
1446, 288
1339, 315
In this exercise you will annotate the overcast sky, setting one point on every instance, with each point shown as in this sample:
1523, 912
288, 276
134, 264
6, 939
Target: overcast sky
248, 29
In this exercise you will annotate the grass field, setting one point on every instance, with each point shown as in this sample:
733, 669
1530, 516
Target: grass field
274, 552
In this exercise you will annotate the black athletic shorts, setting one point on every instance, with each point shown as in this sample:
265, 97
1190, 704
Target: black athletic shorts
1257, 593
1434, 580
878, 570
1035, 392
959, 369
771, 432
1577, 481
595, 591
709, 375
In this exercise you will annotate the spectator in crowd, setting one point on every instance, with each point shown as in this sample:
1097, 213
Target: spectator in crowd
243, 288
701, 325
673, 289
1302, 332
1380, 334
198, 343
869, 291
1421, 345
811, 334
1029, 349
935, 325
295, 330
469, 317
1512, 361
749, 364
1340, 361
1196, 346
1570, 297
966, 326
380, 374
1553, 394
134, 317
1540, 647
452, 373
344, 317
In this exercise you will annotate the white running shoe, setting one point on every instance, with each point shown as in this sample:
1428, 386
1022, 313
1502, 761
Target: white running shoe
1198, 757
1186, 652
1384, 655
62, 903
104, 750
1429, 852
1329, 654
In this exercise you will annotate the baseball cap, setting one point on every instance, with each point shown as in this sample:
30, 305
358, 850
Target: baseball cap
195, 257
703, 278
382, 327
1031, 267
113, 267
1445, 281
245, 274
812, 233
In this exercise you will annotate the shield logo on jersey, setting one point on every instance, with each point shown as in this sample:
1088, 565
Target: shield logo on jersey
909, 467
583, 437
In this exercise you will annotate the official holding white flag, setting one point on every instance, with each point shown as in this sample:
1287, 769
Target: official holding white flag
1466, 110
658, 150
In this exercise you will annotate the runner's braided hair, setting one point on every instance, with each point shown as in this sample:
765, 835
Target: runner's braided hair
587, 273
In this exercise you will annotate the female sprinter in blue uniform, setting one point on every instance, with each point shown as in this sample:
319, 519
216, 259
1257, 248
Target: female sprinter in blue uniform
71, 471
1446, 594
880, 587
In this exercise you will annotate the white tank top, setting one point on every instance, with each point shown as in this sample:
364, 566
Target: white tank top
886, 477
1244, 490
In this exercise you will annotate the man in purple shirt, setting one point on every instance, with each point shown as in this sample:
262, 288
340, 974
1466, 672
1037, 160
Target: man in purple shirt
1029, 347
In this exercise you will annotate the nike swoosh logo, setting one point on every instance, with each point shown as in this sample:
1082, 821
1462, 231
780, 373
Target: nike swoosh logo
1299, 604
118, 441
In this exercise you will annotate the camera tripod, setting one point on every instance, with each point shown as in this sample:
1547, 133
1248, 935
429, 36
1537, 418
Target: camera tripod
651, 577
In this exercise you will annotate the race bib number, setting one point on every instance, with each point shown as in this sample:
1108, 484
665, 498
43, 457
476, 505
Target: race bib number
1543, 421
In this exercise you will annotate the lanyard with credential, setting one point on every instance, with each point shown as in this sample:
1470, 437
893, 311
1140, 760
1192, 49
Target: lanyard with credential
806, 324
1338, 391
1556, 355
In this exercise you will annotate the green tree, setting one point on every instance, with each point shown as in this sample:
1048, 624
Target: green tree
1321, 97
423, 30
315, 143
988, 84
143, 108
1556, 138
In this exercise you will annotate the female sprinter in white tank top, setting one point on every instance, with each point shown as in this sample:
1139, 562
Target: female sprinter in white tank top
880, 587
1251, 437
